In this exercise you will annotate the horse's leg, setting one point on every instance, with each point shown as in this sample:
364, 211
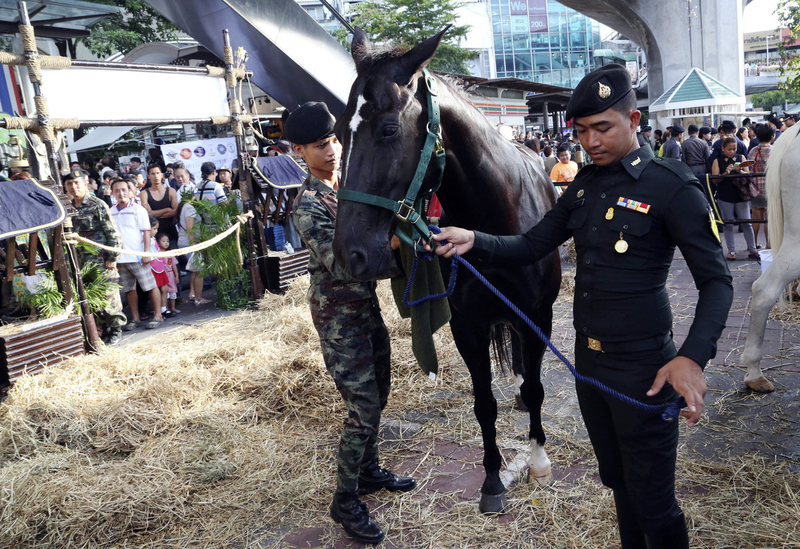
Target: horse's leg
473, 343
533, 396
518, 367
784, 269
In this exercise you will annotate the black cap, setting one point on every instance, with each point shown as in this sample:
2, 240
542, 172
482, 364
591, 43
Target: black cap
647, 128
704, 130
110, 173
207, 168
599, 90
728, 126
693, 128
75, 174
676, 129
309, 123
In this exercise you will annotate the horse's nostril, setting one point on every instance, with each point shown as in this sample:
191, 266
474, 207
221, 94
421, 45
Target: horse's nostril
358, 261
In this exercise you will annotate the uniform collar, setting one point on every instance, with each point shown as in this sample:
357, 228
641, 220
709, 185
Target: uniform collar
636, 161
317, 184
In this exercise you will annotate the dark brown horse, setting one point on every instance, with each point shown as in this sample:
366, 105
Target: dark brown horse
489, 184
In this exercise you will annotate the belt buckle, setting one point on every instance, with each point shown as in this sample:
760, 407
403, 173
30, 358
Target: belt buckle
595, 345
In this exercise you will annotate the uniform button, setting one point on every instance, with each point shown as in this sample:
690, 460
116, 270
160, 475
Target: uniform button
624, 226
585, 294
588, 261
594, 228
603, 195
585, 329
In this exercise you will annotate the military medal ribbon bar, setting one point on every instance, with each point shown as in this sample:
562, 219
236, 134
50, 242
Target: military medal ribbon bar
640, 207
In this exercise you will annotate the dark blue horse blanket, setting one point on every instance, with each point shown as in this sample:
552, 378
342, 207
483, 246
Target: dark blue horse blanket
27, 207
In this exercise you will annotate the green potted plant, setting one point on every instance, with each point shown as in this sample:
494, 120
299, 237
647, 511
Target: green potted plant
222, 260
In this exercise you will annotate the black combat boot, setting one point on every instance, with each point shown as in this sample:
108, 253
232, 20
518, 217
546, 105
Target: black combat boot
113, 336
372, 478
352, 514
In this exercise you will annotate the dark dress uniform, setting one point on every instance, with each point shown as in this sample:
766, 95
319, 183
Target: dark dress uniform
355, 342
626, 220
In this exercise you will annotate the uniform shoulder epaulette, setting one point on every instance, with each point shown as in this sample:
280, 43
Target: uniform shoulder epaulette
677, 167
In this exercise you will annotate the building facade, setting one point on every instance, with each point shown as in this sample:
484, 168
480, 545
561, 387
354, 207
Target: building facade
542, 41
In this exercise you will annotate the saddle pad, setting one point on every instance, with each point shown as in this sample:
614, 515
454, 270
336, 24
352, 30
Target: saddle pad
281, 172
27, 207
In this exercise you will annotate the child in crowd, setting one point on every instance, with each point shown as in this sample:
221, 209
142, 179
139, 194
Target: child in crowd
173, 276
158, 266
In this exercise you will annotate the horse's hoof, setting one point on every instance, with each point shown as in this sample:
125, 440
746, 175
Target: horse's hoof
760, 384
542, 477
520, 405
493, 505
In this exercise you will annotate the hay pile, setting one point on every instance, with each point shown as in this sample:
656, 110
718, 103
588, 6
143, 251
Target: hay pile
224, 436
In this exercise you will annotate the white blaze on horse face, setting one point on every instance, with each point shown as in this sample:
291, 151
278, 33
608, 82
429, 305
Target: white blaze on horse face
354, 123
356, 120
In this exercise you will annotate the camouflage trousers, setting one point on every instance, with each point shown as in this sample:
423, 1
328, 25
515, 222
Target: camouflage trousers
357, 350
111, 315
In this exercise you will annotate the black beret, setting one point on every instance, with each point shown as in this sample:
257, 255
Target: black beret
599, 90
309, 123
693, 128
75, 174
728, 126
647, 128
704, 130
676, 129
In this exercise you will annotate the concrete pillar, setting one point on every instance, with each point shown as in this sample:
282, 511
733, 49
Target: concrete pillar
546, 116
677, 36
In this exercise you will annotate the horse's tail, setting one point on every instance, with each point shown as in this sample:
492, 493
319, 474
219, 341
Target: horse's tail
773, 186
501, 345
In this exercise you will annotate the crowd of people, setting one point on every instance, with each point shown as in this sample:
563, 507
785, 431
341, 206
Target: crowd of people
142, 210
727, 150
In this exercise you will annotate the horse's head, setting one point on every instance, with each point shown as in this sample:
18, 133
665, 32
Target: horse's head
382, 131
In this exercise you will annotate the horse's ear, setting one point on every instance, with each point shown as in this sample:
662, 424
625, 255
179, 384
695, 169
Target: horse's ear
360, 46
418, 57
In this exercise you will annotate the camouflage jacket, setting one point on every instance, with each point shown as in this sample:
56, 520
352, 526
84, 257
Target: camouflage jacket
332, 289
94, 222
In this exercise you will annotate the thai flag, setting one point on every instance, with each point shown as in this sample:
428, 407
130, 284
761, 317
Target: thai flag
9, 93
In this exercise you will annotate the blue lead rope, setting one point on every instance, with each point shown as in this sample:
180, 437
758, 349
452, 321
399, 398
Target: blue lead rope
669, 411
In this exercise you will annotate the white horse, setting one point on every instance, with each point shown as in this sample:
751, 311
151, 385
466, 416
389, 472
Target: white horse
783, 212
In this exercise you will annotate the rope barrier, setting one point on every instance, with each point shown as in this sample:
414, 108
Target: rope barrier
241, 219
669, 411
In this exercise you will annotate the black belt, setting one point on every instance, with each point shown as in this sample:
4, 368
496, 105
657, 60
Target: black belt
646, 344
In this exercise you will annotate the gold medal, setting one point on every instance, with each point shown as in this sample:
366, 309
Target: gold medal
610, 214
580, 193
621, 246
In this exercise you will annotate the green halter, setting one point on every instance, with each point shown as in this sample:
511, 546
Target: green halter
410, 208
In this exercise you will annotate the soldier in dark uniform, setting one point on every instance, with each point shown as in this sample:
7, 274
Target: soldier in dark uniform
346, 314
626, 213
94, 222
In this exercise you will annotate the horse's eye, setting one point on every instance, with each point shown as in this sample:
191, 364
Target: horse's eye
389, 132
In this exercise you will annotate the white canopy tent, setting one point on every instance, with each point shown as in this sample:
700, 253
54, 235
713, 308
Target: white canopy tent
99, 137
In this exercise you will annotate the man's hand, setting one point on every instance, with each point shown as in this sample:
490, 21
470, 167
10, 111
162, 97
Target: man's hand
111, 265
686, 377
146, 260
460, 241
395, 242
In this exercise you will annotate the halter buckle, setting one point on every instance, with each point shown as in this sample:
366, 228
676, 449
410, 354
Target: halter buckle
404, 211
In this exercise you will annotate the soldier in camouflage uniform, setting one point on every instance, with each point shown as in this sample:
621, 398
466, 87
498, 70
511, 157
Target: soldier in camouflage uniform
346, 314
94, 222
